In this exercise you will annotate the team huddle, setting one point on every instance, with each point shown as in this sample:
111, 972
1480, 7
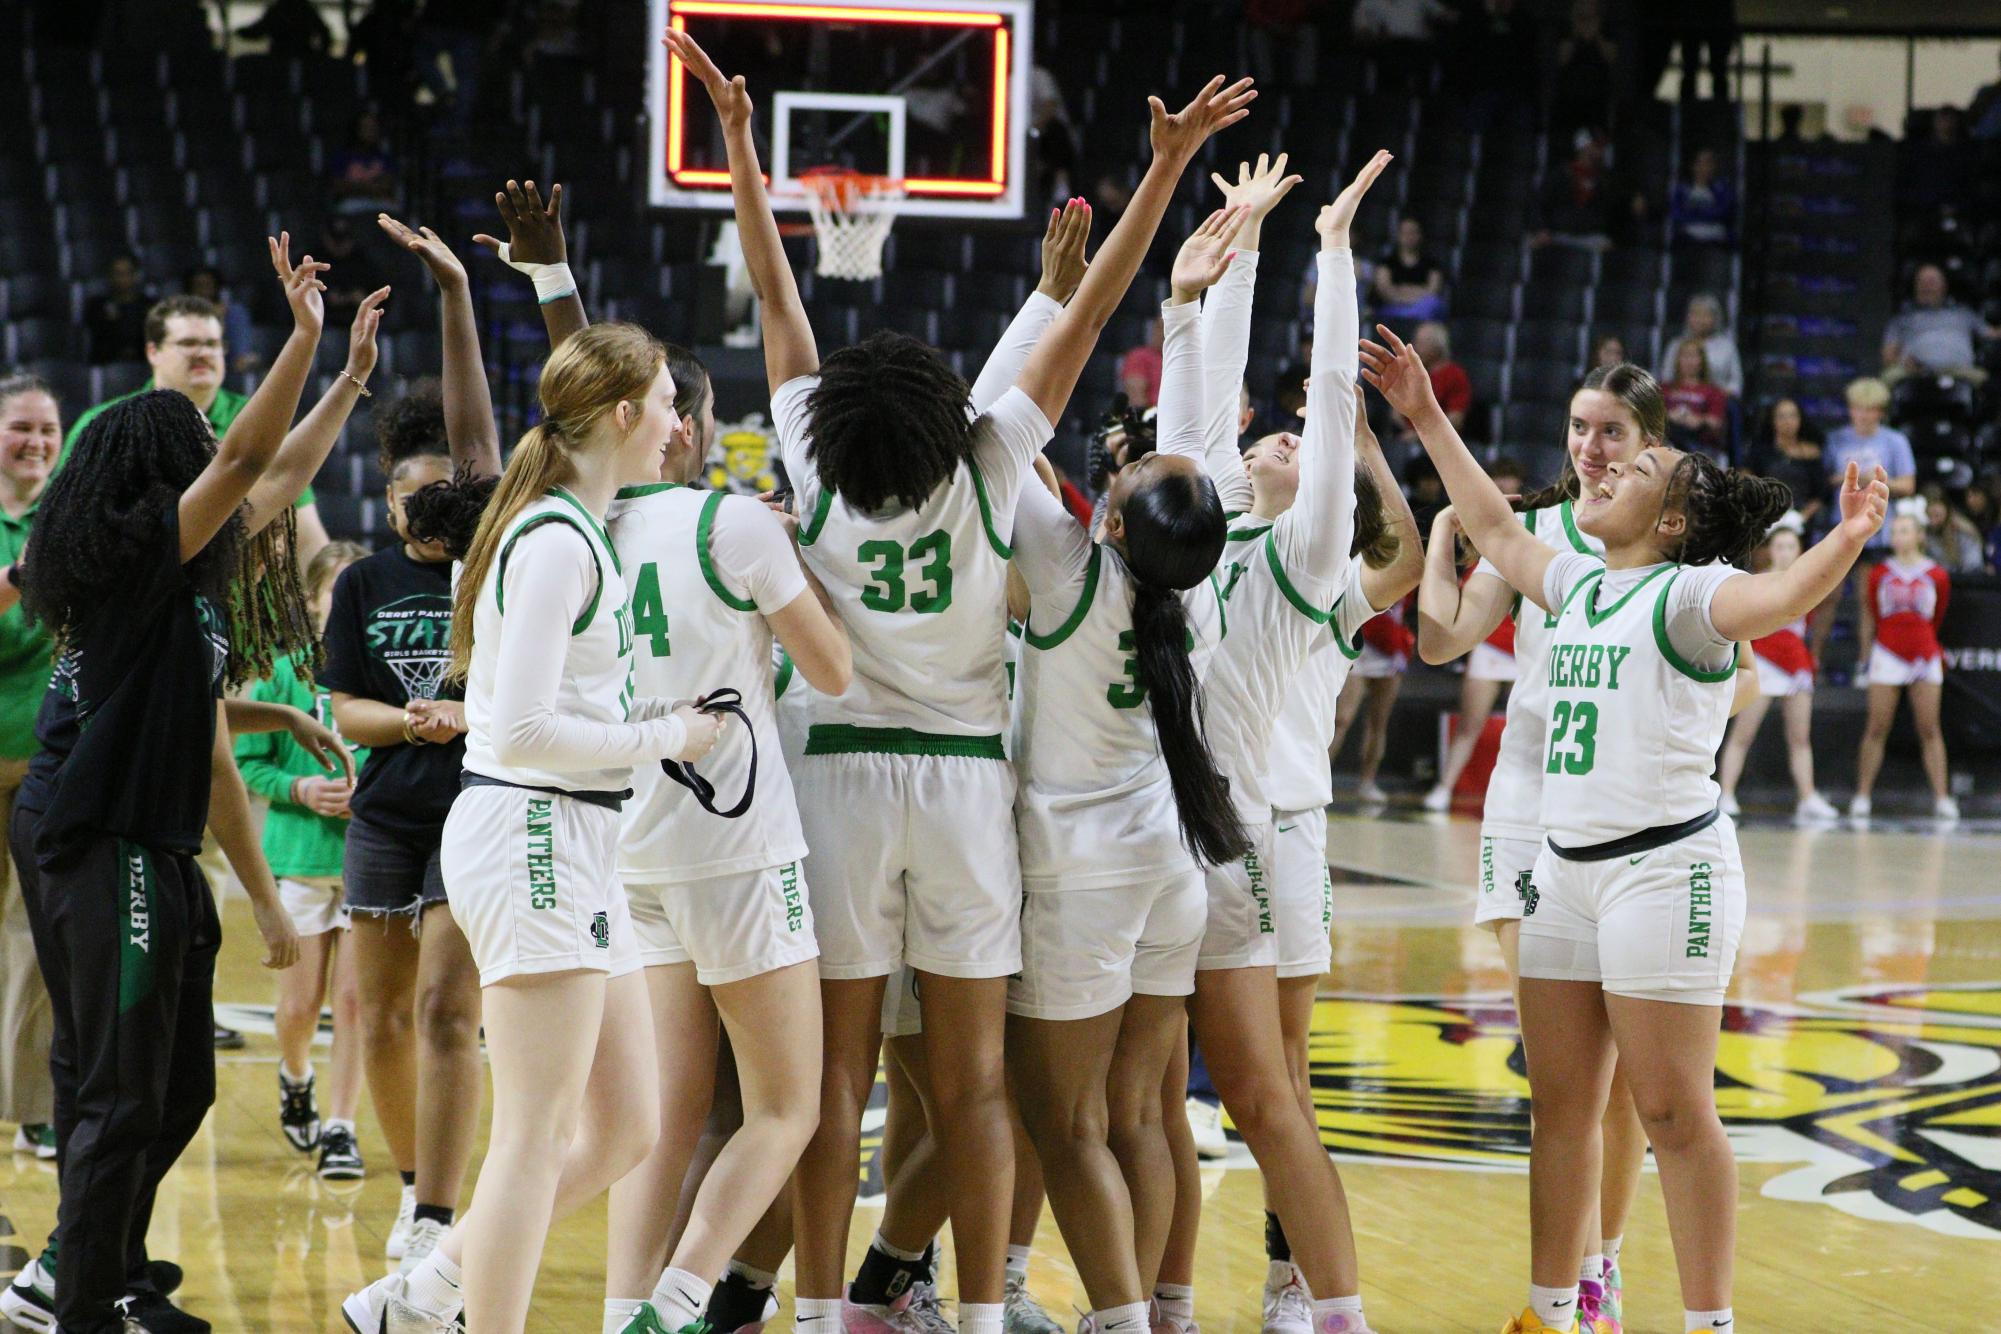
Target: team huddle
717, 799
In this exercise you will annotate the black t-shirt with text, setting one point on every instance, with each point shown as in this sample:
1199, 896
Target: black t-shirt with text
389, 638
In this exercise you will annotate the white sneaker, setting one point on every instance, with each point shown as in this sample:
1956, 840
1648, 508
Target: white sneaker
1288, 1305
1946, 809
384, 1308
1370, 793
1439, 798
1813, 806
406, 1215
1022, 1314
1205, 1120
424, 1234
1858, 808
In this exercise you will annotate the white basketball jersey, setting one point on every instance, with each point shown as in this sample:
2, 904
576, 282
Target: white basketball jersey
693, 636
1631, 728
920, 592
597, 670
1514, 791
1094, 804
1301, 779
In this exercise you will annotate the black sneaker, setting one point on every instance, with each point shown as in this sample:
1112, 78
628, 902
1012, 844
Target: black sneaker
227, 1039
298, 1113
154, 1314
164, 1275
340, 1156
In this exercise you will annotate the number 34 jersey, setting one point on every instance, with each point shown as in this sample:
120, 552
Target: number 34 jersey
922, 591
1639, 687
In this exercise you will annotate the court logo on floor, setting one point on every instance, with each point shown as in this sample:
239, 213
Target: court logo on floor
1884, 1103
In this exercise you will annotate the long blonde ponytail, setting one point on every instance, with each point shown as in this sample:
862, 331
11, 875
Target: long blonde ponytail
592, 372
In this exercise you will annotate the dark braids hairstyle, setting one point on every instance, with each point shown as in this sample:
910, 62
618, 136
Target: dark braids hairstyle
105, 510
448, 513
1635, 386
1725, 514
891, 422
1174, 534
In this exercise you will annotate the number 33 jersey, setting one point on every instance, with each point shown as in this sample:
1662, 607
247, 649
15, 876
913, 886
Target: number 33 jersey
1639, 686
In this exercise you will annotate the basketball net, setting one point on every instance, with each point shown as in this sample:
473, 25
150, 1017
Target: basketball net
852, 213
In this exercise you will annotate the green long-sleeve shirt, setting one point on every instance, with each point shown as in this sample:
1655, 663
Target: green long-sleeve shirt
26, 657
297, 842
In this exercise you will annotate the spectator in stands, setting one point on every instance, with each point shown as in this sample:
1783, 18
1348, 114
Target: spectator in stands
1704, 323
1449, 381
1495, 42
1586, 65
184, 346
1698, 411
1699, 27
1409, 284
1934, 334
1580, 205
1952, 539
452, 33
1867, 443
1608, 351
1052, 139
206, 283
1400, 33
1787, 448
293, 27
1936, 166
1983, 115
363, 177
1139, 369
116, 318
1978, 506
1702, 210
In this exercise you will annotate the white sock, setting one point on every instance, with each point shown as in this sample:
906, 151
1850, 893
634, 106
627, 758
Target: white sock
680, 1297
1611, 1248
1177, 1302
1017, 1261
980, 1317
343, 1124
1130, 1319
434, 1284
1278, 1273
907, 1256
1337, 1306
757, 1278
617, 1311
1555, 1307
811, 1314
292, 1079
1592, 1270
1721, 1321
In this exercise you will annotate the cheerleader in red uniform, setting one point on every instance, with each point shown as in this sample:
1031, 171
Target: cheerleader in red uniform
1372, 691
1901, 615
1785, 672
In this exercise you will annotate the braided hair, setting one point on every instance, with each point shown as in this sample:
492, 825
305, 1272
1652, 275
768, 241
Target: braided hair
1725, 514
891, 422
106, 510
448, 513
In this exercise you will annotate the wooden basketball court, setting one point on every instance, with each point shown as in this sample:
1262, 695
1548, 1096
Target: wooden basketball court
1860, 1075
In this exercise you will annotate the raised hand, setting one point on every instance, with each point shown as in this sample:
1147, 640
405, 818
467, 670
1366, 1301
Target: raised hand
427, 245
1178, 135
1337, 218
731, 97
1205, 256
1864, 506
1398, 373
1257, 188
1063, 241
361, 349
534, 229
303, 286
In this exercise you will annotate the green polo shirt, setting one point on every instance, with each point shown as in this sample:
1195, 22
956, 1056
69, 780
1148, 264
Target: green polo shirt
228, 404
26, 656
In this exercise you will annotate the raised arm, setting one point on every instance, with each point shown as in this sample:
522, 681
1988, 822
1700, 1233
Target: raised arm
1756, 605
535, 246
1383, 587
1226, 326
1178, 418
789, 349
1062, 270
1204, 260
246, 450
307, 445
470, 431
1453, 617
1059, 358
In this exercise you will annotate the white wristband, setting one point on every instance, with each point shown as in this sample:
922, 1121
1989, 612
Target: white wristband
552, 282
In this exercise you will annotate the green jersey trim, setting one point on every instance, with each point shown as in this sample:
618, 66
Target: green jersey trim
1570, 530
1594, 617
1246, 534
1300, 604
849, 739
1222, 616
1681, 664
596, 524
703, 527
645, 489
583, 622
1077, 613
810, 534
1001, 549
785, 670
1350, 652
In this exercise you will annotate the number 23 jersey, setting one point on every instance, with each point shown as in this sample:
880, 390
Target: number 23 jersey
1639, 686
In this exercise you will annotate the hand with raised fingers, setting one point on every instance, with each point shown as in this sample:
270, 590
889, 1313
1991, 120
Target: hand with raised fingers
1864, 505
427, 245
361, 349
1257, 188
1205, 256
1398, 373
303, 285
1178, 135
731, 97
1063, 262
534, 228
1337, 218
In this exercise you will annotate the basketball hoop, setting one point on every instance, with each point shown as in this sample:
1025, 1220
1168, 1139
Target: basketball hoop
852, 213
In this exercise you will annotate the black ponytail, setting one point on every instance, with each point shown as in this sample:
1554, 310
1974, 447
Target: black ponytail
1725, 514
1174, 534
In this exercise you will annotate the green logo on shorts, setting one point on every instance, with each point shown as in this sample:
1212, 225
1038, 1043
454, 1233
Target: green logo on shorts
1254, 871
1698, 912
1525, 887
1486, 866
795, 908
541, 828
601, 931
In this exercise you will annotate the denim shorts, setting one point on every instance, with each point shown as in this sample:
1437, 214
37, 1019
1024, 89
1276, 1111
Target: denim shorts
392, 871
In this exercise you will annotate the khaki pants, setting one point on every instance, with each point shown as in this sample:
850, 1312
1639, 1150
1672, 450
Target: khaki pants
26, 1021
